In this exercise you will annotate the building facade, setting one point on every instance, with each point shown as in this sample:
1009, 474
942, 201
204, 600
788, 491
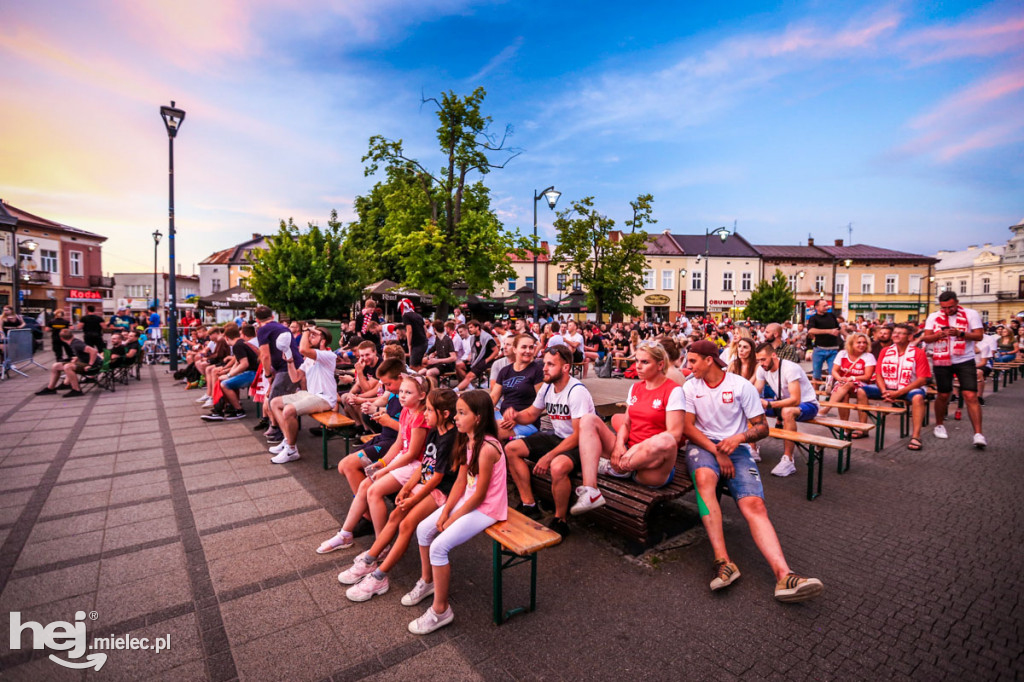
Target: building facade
227, 268
988, 278
134, 290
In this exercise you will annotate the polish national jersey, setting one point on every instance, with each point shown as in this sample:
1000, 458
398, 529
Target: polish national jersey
899, 370
851, 368
722, 411
572, 402
648, 408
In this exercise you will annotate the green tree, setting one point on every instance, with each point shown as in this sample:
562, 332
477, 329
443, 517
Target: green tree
306, 274
438, 226
610, 266
771, 301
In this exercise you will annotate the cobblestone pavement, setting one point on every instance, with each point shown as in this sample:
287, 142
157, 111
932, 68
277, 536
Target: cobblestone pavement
127, 506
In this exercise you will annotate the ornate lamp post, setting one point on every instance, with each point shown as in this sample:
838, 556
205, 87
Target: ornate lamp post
723, 234
551, 194
679, 301
173, 118
156, 289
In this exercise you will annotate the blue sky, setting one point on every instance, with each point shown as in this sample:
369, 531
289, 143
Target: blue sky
789, 118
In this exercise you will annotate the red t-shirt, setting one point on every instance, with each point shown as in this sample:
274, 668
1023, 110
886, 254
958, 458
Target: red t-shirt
647, 408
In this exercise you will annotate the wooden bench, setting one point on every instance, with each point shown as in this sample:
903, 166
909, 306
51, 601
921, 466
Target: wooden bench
878, 414
1008, 371
815, 447
843, 430
628, 506
333, 423
517, 541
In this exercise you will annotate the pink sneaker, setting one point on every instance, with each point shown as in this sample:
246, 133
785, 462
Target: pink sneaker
357, 572
366, 588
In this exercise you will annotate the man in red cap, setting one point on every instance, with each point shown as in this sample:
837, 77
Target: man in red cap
718, 406
415, 333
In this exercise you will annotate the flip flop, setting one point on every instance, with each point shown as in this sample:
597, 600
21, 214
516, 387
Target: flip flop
914, 444
856, 435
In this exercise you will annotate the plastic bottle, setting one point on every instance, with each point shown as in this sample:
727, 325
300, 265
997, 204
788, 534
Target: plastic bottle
956, 415
369, 466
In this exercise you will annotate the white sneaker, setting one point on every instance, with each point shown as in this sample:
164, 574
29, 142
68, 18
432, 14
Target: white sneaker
285, 456
356, 572
604, 467
280, 447
203, 398
587, 498
979, 441
785, 467
431, 621
366, 588
940, 432
207, 403
418, 593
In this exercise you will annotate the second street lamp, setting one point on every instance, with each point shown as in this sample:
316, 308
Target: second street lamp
156, 296
723, 234
173, 118
551, 194
679, 302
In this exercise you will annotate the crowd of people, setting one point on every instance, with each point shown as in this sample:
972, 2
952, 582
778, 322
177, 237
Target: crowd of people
703, 390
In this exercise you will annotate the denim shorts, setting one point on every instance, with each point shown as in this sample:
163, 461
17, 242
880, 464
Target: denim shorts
520, 430
239, 381
808, 411
746, 482
872, 391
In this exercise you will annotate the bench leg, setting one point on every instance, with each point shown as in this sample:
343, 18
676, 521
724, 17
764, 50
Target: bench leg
814, 457
323, 443
499, 564
879, 431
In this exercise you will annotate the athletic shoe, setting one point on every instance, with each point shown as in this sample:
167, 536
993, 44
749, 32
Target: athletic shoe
47, 391
940, 432
341, 540
73, 394
285, 456
587, 498
981, 401
604, 467
979, 441
274, 435
207, 403
785, 467
559, 526
234, 416
532, 511
431, 621
356, 572
418, 593
794, 588
213, 417
280, 447
726, 573
202, 398
262, 425
367, 587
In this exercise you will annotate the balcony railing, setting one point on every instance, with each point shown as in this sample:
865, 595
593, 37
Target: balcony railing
101, 282
1007, 295
36, 277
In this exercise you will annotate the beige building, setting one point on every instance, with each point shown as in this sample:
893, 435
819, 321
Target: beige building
988, 278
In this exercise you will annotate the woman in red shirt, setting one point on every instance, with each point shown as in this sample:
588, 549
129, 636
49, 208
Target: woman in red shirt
642, 443
853, 369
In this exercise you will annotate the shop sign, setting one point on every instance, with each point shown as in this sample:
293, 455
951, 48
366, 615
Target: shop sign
883, 305
82, 295
656, 299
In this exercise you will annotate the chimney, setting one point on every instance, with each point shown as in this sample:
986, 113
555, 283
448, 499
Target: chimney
544, 246
257, 235
810, 241
839, 242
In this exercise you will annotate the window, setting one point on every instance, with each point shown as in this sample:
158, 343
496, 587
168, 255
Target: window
76, 263
511, 284
726, 281
746, 280
576, 282
215, 284
560, 281
984, 316
792, 282
963, 286
47, 260
648, 279
529, 281
986, 285
841, 279
891, 283
697, 280
948, 286
867, 284
668, 279
915, 284
819, 283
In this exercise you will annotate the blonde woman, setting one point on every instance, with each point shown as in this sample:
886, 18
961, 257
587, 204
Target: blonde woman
852, 371
729, 354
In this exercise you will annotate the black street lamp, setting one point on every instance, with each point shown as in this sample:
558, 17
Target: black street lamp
723, 234
679, 301
173, 118
156, 242
551, 194
847, 262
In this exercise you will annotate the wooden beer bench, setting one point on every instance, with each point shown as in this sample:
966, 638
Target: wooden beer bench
878, 414
815, 447
517, 541
332, 424
842, 430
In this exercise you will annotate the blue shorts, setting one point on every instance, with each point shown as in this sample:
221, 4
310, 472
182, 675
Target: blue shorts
872, 391
917, 391
239, 381
671, 477
808, 411
520, 430
746, 482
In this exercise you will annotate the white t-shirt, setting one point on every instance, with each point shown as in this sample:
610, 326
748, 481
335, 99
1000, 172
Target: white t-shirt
320, 376
572, 402
555, 340
986, 348
973, 322
576, 338
499, 365
724, 410
790, 371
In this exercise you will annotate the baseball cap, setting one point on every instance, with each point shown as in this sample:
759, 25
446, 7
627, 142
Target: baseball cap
707, 349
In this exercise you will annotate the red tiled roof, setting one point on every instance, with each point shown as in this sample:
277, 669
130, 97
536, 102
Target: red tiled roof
663, 245
866, 252
32, 220
219, 258
792, 252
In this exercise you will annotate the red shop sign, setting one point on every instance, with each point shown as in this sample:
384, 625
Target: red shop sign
86, 295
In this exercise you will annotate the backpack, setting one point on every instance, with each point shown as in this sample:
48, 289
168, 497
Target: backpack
604, 370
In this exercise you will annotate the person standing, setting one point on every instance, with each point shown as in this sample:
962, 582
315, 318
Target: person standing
415, 333
58, 323
823, 330
92, 326
952, 331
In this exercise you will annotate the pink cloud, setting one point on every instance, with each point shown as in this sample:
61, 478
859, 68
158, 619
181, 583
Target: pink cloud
978, 39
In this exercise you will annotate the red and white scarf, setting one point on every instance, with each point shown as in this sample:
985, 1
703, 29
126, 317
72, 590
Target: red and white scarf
941, 349
898, 370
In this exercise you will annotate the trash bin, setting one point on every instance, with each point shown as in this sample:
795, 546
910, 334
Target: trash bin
334, 327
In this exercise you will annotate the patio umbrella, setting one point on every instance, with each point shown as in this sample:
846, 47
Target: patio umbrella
574, 302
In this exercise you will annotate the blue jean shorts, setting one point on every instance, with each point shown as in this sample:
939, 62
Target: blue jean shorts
239, 381
746, 482
520, 430
872, 391
808, 411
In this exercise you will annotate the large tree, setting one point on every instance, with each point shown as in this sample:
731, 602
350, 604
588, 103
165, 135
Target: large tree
438, 225
771, 301
610, 266
306, 274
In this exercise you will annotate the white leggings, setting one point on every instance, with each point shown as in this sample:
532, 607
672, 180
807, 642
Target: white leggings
461, 530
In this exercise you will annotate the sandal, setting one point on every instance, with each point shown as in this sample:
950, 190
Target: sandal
858, 434
914, 444
342, 540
